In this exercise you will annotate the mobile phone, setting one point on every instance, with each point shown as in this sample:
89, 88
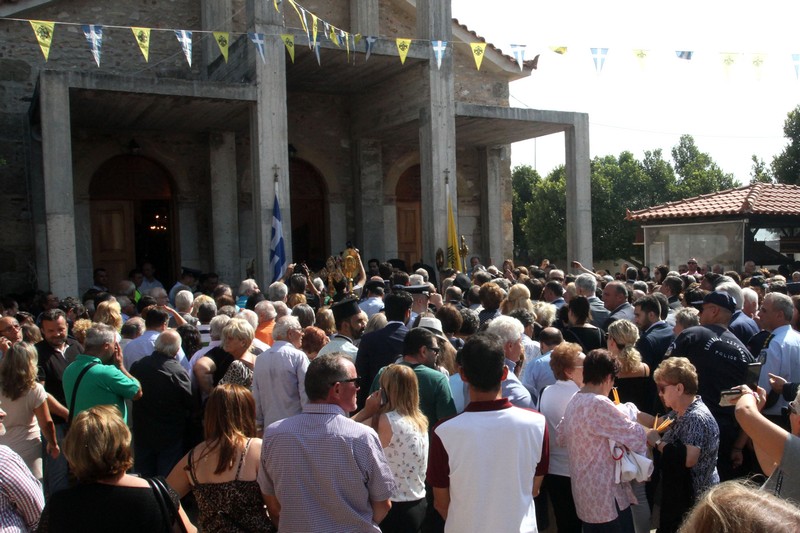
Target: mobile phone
753, 375
729, 397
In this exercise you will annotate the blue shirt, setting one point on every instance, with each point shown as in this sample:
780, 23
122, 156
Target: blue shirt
537, 375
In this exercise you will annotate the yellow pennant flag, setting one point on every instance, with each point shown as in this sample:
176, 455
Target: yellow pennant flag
223, 39
453, 254
560, 50
314, 27
275, 3
356, 39
142, 36
44, 34
333, 37
758, 63
728, 60
346, 43
403, 45
477, 52
288, 41
299, 15
641, 57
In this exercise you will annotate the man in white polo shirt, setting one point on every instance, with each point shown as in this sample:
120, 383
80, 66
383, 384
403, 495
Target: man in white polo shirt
487, 463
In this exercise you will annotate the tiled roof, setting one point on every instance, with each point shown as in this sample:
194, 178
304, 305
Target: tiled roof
529, 63
755, 199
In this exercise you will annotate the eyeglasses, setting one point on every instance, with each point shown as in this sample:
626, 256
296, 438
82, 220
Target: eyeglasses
793, 408
433, 349
354, 380
662, 388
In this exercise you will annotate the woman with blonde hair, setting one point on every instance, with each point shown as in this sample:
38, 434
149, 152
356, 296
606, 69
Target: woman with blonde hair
545, 313
403, 432
633, 382
79, 329
25, 402
98, 449
109, 313
519, 297
325, 321
237, 339
222, 470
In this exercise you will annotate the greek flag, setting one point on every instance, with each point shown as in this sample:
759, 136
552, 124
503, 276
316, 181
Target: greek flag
277, 257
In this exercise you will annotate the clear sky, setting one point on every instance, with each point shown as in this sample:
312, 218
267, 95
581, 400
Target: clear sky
731, 113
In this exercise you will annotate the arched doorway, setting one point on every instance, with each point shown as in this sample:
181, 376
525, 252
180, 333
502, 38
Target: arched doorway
133, 218
409, 225
309, 214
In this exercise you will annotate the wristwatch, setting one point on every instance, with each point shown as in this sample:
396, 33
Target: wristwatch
658, 443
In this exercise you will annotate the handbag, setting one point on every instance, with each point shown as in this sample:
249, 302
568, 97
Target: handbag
628, 465
172, 519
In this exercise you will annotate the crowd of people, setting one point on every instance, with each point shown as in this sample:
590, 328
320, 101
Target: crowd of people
405, 400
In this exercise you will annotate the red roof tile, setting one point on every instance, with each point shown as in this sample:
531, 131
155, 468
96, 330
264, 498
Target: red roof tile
755, 199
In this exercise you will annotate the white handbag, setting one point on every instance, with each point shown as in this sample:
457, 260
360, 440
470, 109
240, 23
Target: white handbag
629, 466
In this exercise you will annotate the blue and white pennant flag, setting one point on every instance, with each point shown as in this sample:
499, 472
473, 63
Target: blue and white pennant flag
599, 57
94, 35
277, 255
369, 42
185, 38
796, 61
439, 48
518, 51
684, 54
258, 40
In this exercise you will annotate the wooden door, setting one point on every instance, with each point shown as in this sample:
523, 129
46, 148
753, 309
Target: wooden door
409, 247
113, 245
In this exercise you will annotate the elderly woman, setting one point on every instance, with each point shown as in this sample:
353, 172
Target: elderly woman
689, 447
491, 296
519, 297
313, 341
237, 339
566, 361
98, 449
590, 421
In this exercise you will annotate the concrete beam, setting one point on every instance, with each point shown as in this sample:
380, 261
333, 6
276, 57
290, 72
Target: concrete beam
369, 197
365, 17
491, 187
579, 193
59, 198
215, 15
224, 205
269, 138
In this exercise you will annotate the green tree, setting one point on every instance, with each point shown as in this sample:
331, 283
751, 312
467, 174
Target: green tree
524, 180
760, 172
786, 165
545, 218
697, 172
662, 178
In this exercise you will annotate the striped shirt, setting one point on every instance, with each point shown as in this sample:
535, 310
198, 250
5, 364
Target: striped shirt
324, 469
21, 497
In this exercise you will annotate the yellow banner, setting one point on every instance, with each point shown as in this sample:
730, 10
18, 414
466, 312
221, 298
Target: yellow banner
356, 39
314, 27
288, 41
403, 46
275, 3
758, 64
728, 60
223, 39
142, 36
453, 253
477, 52
333, 37
641, 57
44, 34
299, 15
561, 50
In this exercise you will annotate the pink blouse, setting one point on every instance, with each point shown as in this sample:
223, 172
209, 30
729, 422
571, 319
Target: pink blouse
589, 422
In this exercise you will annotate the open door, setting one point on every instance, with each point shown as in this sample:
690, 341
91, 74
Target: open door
409, 224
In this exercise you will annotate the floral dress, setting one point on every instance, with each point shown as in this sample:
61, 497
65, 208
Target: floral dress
407, 455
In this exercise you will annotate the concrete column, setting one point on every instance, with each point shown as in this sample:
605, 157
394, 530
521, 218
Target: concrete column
59, 202
369, 197
437, 136
365, 17
215, 15
491, 187
224, 204
579, 194
187, 207
269, 137
37, 208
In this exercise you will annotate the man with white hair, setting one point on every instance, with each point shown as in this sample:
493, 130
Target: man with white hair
266, 321
586, 285
277, 292
781, 352
510, 331
279, 375
247, 288
160, 417
741, 325
750, 302
183, 304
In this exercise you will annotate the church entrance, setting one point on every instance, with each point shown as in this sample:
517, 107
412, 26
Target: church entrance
408, 201
133, 218
309, 214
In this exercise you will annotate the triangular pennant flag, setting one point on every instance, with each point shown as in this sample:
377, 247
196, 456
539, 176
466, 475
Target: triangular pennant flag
758, 64
301, 14
276, 3
684, 54
518, 51
439, 48
369, 40
223, 39
641, 57
560, 50
356, 39
326, 29
185, 38
477, 52
288, 42
258, 40
346, 39
142, 36
796, 60
599, 57
44, 34
333, 37
94, 36
403, 46
728, 60
316, 52
314, 27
